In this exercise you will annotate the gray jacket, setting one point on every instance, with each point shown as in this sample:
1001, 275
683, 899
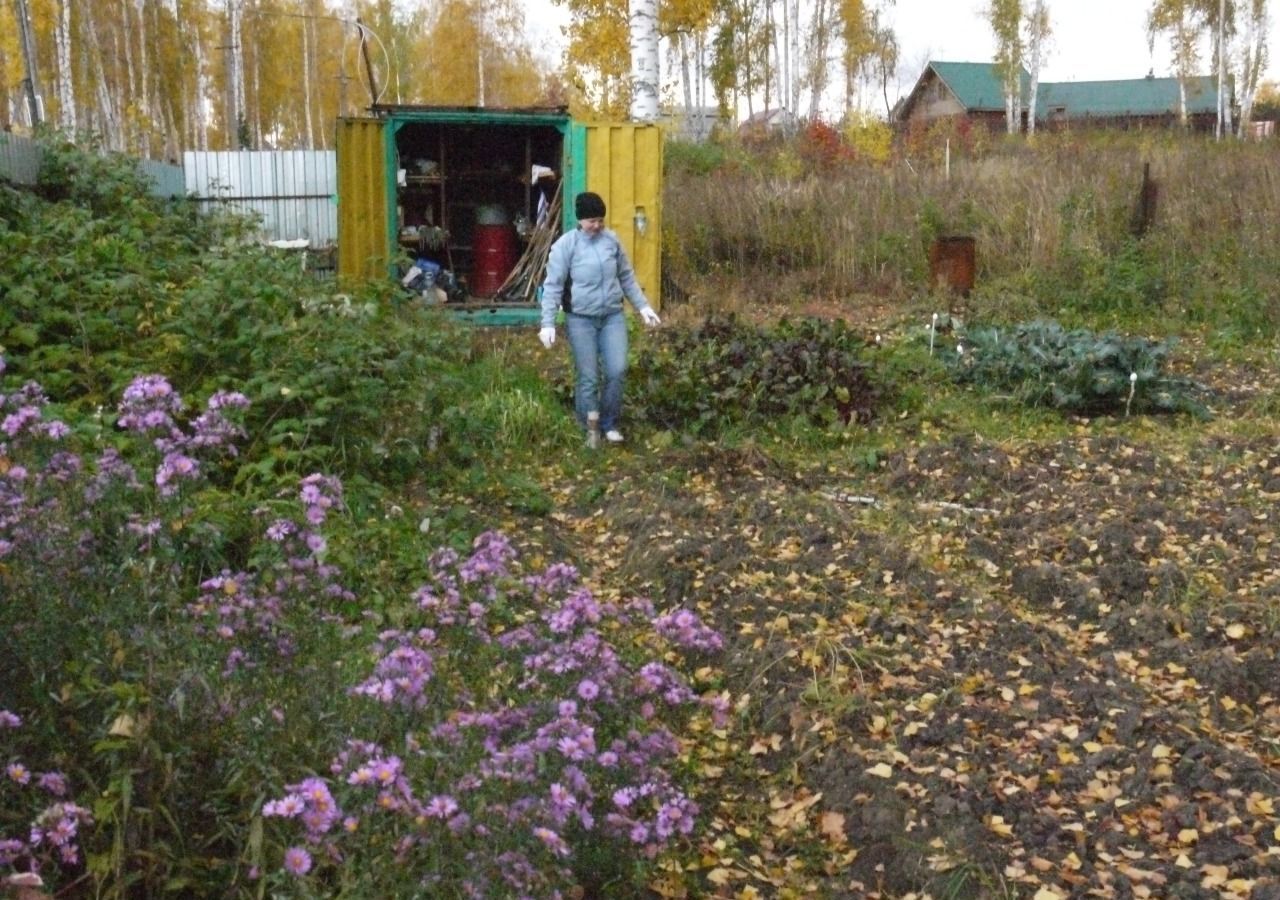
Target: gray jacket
600, 271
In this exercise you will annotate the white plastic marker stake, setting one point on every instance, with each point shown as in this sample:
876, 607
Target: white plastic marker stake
1133, 386
593, 429
933, 329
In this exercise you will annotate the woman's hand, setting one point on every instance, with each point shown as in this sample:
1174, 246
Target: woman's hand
649, 317
547, 336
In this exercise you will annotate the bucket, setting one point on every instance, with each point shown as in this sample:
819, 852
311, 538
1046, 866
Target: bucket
495, 257
952, 264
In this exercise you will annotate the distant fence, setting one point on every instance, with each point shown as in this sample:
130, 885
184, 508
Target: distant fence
294, 192
20, 159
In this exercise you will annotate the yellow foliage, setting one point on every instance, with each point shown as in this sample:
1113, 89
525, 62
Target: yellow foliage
871, 138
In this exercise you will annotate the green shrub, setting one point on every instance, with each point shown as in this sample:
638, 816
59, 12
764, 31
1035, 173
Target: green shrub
102, 281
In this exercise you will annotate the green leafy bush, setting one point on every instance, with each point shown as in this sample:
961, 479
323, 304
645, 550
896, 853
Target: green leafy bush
726, 372
102, 281
1043, 364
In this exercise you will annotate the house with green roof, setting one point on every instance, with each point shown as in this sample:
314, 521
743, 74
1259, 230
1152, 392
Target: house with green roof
975, 91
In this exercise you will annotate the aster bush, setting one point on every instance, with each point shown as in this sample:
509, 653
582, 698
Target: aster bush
39, 823
168, 663
516, 731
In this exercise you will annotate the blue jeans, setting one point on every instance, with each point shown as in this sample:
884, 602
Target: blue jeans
598, 342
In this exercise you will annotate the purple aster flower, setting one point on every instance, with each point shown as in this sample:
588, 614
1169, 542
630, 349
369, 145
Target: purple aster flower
441, 806
18, 772
588, 689
10, 851
297, 861
9, 720
53, 782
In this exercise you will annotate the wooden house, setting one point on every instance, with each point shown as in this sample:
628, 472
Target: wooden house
975, 92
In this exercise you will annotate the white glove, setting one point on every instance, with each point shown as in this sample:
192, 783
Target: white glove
547, 336
649, 317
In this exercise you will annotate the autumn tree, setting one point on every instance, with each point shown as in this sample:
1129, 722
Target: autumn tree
1183, 21
1036, 28
1253, 59
1005, 17
686, 25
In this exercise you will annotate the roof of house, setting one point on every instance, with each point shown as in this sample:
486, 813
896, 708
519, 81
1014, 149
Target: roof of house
976, 85
773, 116
1127, 97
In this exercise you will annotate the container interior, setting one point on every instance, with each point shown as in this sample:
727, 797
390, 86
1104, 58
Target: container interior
468, 198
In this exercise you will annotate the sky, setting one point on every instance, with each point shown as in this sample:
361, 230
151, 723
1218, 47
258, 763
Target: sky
1093, 40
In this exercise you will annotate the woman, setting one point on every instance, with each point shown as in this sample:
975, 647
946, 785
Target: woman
590, 264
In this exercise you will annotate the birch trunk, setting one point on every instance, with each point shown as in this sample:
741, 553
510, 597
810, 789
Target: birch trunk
794, 78
782, 55
233, 90
771, 44
1037, 34
817, 42
146, 125
308, 73
1224, 83
700, 91
6, 116
1255, 60
66, 83
686, 86
644, 60
108, 123
255, 108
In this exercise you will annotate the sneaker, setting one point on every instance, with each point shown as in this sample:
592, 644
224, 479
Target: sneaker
613, 436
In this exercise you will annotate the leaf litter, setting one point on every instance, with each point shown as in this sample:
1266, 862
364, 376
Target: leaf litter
1041, 669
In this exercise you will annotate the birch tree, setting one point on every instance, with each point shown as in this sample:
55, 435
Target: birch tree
685, 23
645, 79
884, 58
855, 32
1184, 22
1037, 29
1005, 17
66, 83
1254, 53
817, 54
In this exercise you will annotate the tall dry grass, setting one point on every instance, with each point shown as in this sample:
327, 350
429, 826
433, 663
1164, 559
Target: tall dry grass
1050, 217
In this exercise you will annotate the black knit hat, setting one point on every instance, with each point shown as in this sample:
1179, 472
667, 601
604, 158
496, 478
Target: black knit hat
588, 206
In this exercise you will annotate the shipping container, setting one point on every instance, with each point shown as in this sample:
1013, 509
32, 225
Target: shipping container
461, 204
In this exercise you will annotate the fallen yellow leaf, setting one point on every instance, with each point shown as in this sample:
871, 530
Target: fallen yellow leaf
881, 770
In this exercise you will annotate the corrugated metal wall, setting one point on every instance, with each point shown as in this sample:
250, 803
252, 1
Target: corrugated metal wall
20, 163
19, 159
624, 166
293, 191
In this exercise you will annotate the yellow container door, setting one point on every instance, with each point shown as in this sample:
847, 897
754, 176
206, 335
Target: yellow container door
624, 166
364, 226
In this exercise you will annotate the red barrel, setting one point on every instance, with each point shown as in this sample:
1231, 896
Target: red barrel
495, 257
